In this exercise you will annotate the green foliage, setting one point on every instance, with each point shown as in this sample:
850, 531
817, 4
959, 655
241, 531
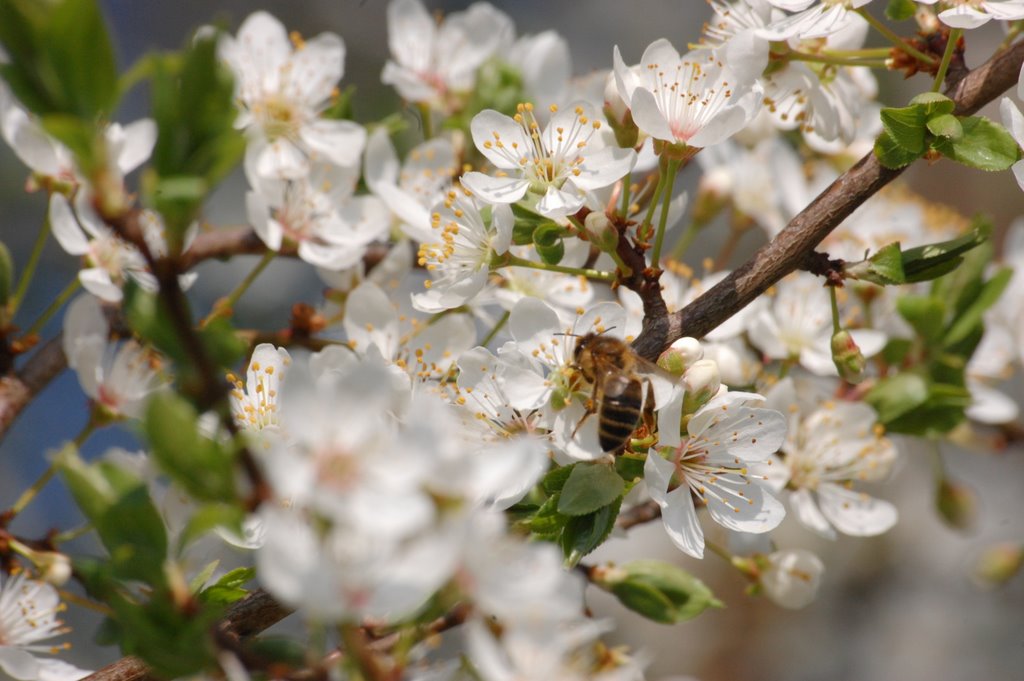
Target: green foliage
197, 144
547, 241
147, 315
203, 467
118, 505
929, 125
586, 517
589, 487
891, 265
659, 591
900, 10
584, 533
228, 588
929, 399
61, 60
983, 144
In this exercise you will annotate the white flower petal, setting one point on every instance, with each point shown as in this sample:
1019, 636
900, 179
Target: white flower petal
855, 513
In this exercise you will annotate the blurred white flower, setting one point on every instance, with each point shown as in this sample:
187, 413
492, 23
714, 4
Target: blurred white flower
281, 91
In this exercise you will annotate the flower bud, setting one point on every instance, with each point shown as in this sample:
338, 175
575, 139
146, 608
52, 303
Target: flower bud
956, 504
681, 355
620, 118
54, 567
848, 358
701, 381
601, 231
999, 563
791, 578
736, 364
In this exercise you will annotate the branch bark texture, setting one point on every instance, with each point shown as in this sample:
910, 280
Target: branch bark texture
794, 243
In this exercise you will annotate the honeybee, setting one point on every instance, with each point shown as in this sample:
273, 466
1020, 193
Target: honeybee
611, 366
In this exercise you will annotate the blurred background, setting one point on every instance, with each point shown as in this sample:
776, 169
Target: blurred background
897, 606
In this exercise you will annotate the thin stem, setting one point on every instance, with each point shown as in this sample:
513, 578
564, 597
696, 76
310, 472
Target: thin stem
836, 60
947, 57
659, 239
685, 241
624, 206
641, 230
54, 307
85, 602
30, 269
496, 328
28, 495
74, 533
865, 52
516, 261
836, 327
425, 118
895, 39
719, 551
224, 306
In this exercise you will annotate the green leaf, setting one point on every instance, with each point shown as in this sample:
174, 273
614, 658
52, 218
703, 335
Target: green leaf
660, 591
891, 155
912, 404
946, 125
906, 127
222, 342
547, 522
197, 143
971, 318
584, 533
209, 517
900, 10
547, 241
884, 267
895, 396
926, 314
931, 261
629, 467
896, 350
589, 487
984, 145
118, 505
203, 467
82, 58
228, 588
555, 479
933, 104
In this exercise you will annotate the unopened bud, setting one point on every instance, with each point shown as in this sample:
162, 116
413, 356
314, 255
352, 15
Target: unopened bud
601, 231
681, 355
926, 20
619, 117
701, 382
848, 358
956, 504
999, 563
54, 567
791, 578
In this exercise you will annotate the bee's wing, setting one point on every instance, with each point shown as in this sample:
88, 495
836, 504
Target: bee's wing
663, 383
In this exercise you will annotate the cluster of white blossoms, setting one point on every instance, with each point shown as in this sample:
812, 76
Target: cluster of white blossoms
420, 460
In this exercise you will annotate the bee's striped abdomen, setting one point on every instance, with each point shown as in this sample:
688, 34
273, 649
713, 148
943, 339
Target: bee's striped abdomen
620, 411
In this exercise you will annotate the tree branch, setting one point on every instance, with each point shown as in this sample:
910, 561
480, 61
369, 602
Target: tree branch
788, 250
246, 617
19, 388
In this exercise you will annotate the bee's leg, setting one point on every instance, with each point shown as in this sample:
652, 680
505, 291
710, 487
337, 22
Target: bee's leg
648, 412
591, 409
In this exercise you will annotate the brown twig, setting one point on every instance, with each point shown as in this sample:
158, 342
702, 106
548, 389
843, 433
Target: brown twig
19, 388
787, 251
246, 617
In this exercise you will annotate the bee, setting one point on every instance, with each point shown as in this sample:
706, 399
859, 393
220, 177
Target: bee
611, 366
